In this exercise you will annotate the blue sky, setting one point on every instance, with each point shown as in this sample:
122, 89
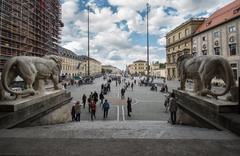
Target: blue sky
118, 27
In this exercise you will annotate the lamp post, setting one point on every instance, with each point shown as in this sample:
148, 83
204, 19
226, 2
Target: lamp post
147, 45
88, 45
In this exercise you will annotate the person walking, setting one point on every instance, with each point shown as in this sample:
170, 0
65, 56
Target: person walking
129, 106
122, 93
84, 98
101, 97
166, 88
173, 108
132, 86
73, 113
105, 109
78, 111
95, 96
89, 103
93, 110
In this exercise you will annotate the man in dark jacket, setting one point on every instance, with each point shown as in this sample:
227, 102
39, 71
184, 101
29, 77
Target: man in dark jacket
105, 109
173, 108
73, 113
84, 98
95, 96
101, 97
129, 106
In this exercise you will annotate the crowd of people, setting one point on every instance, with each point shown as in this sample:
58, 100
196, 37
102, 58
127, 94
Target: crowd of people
94, 98
91, 101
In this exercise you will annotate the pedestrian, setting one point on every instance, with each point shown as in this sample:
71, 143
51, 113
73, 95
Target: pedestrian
78, 111
166, 88
73, 113
102, 86
95, 96
84, 98
132, 86
129, 106
89, 103
65, 85
166, 102
101, 97
93, 110
105, 109
116, 83
173, 108
109, 86
122, 93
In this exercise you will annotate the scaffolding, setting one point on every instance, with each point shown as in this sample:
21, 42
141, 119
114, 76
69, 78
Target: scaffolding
29, 28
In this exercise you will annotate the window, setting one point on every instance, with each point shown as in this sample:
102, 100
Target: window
204, 52
179, 35
173, 57
173, 38
173, 70
179, 46
217, 50
216, 34
204, 38
186, 32
234, 74
232, 29
186, 44
168, 40
234, 69
232, 49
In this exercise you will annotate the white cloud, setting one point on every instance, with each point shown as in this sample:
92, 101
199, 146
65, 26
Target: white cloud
110, 44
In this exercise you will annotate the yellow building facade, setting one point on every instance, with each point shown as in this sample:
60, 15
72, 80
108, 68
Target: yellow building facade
179, 42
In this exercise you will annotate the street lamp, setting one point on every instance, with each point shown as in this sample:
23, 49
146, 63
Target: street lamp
88, 43
147, 44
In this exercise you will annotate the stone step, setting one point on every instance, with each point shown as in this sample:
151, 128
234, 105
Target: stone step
115, 129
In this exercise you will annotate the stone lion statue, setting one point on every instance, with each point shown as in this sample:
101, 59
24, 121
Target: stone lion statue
33, 70
202, 70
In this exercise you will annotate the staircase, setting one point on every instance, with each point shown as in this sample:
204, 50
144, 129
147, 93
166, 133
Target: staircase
115, 129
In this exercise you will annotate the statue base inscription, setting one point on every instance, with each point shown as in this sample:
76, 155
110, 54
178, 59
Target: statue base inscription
209, 111
17, 111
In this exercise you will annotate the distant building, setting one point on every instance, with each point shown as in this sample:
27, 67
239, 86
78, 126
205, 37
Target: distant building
157, 70
95, 66
138, 67
220, 35
179, 41
108, 68
29, 28
75, 65
70, 63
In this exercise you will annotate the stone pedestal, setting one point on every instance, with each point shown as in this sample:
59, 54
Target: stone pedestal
14, 112
209, 111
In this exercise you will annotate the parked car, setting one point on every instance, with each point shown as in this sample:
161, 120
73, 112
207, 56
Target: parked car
88, 79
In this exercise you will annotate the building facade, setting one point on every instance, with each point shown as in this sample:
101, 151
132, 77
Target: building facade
131, 69
114, 70
179, 41
140, 67
157, 71
95, 66
220, 35
29, 27
71, 63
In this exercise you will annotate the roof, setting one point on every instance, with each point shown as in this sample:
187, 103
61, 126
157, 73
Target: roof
227, 13
139, 61
85, 58
66, 53
191, 20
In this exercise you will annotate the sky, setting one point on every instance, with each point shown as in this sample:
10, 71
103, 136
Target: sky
118, 27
